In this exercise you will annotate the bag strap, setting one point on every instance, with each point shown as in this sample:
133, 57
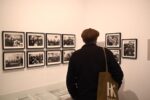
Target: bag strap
105, 59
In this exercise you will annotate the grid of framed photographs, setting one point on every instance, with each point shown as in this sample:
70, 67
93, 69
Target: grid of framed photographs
35, 49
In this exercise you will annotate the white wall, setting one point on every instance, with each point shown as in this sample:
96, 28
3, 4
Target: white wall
130, 17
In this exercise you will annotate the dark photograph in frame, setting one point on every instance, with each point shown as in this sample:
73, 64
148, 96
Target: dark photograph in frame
53, 40
13, 60
13, 40
113, 40
68, 40
117, 54
35, 58
35, 40
53, 57
66, 54
129, 48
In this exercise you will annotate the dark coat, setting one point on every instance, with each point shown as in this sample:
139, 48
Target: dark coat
83, 69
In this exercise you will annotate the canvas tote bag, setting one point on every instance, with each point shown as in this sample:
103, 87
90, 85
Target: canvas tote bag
107, 87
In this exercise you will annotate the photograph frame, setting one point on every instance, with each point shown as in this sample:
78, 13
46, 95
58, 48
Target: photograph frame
13, 60
117, 54
64, 59
56, 57
113, 40
13, 40
35, 40
129, 48
35, 58
53, 40
68, 40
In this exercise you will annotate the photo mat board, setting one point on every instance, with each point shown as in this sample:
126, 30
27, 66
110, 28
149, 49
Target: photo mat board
68, 40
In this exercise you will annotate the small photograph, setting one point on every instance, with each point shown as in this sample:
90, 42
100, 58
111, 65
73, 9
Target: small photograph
53, 40
129, 48
117, 54
113, 40
66, 54
53, 57
13, 40
35, 40
13, 60
35, 58
68, 40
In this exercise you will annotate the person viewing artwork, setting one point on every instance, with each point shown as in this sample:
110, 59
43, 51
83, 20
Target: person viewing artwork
86, 63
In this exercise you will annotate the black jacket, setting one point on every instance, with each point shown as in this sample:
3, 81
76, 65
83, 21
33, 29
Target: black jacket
83, 69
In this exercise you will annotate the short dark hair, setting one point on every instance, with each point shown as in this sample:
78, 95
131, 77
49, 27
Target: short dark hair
89, 35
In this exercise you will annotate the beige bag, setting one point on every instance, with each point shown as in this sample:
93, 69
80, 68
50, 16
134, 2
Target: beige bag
107, 87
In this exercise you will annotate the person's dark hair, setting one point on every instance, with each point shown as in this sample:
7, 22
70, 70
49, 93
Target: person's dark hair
89, 35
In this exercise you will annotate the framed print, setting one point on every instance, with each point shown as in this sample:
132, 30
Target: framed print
35, 58
53, 40
129, 48
117, 54
13, 40
53, 57
66, 54
13, 60
35, 40
68, 40
113, 40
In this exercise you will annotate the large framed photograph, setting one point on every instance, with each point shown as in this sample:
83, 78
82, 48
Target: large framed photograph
66, 54
117, 54
129, 48
53, 57
35, 58
113, 40
35, 40
68, 41
53, 40
13, 40
13, 60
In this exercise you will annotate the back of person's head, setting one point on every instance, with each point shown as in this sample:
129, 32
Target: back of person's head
90, 35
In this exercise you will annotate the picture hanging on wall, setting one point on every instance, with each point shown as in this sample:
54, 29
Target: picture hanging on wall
53, 57
129, 48
35, 58
35, 40
117, 54
66, 54
68, 40
13, 60
53, 40
113, 40
13, 40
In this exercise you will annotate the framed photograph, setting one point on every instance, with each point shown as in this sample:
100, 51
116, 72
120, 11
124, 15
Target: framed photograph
35, 40
53, 40
13, 60
68, 41
117, 54
35, 58
13, 40
53, 57
113, 40
66, 54
129, 48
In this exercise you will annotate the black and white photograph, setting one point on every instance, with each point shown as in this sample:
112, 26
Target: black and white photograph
113, 40
129, 48
66, 54
35, 40
13, 40
13, 60
68, 40
53, 57
53, 40
35, 58
117, 54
